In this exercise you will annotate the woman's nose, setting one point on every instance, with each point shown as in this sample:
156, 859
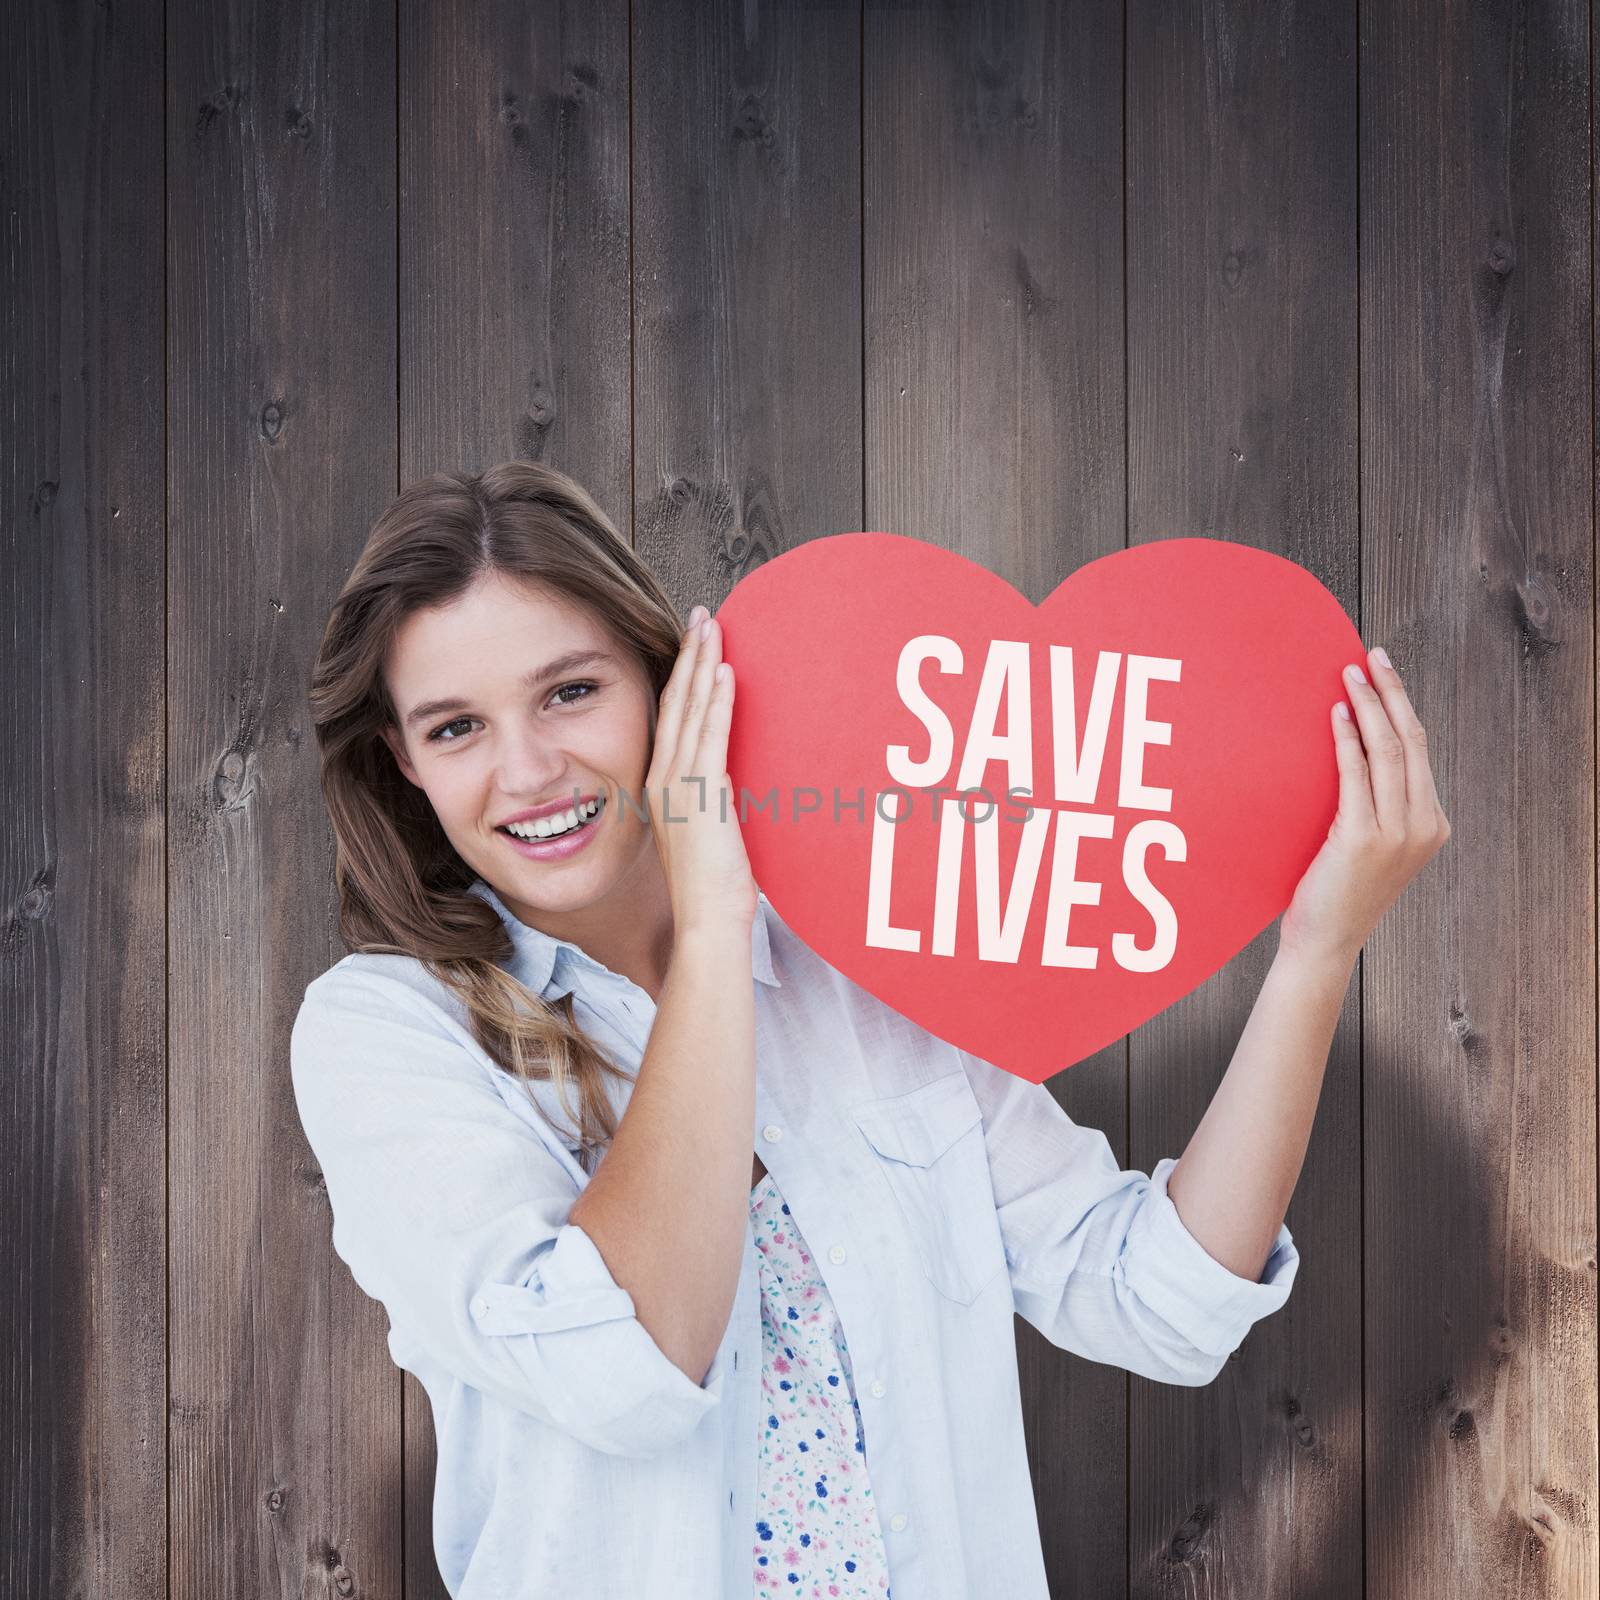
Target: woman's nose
530, 763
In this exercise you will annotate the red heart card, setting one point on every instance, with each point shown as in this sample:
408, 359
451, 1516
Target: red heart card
1145, 759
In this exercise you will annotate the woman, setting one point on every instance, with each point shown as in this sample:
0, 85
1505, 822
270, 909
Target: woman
537, 1085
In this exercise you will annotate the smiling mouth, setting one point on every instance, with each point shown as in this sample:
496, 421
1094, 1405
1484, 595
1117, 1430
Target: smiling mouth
532, 837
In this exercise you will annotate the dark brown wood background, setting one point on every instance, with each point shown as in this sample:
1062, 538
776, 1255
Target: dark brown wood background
1034, 281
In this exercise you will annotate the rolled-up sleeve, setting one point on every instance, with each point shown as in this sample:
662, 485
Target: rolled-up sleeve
450, 1210
1100, 1261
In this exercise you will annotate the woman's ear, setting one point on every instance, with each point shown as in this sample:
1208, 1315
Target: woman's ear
398, 750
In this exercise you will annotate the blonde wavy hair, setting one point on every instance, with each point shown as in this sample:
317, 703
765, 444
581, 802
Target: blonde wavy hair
402, 887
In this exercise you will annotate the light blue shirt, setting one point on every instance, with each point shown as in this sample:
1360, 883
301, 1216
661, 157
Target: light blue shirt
939, 1195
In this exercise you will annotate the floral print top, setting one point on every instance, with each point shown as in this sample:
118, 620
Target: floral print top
817, 1533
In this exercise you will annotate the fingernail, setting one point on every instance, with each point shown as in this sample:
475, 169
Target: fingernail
705, 628
696, 615
1381, 656
1340, 709
1356, 674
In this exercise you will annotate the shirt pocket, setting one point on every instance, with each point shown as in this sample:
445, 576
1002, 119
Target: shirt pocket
929, 1146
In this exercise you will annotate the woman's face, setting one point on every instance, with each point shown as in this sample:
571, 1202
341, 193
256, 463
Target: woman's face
498, 715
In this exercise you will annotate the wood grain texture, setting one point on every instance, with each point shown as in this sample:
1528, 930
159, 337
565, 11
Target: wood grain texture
1242, 311
994, 426
82, 961
1478, 569
746, 286
285, 1409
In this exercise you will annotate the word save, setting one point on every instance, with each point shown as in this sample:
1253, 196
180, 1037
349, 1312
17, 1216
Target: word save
1076, 781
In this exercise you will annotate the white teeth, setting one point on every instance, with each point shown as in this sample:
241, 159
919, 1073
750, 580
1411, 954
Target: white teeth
562, 822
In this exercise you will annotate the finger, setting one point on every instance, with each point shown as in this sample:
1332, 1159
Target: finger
1355, 787
1422, 798
1386, 761
694, 710
673, 696
712, 754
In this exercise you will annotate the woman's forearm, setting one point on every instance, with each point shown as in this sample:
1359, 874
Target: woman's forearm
1232, 1184
668, 1205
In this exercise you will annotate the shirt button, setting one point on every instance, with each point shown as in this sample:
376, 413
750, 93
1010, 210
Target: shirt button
772, 1133
480, 1305
836, 1253
898, 1521
877, 1388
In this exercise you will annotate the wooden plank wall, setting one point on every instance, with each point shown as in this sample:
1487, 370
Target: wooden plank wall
283, 1444
1033, 281
83, 966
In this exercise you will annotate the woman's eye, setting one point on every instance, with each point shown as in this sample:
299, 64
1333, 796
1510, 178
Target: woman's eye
579, 685
437, 736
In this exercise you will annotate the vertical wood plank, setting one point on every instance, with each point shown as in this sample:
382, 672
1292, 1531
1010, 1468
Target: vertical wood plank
992, 154
515, 239
82, 531
1477, 571
746, 286
285, 1447
1242, 425
514, 311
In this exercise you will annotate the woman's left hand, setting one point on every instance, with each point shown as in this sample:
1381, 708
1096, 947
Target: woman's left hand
1388, 827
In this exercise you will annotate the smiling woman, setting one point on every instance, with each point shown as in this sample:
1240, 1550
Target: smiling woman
496, 735
649, 1310
448, 704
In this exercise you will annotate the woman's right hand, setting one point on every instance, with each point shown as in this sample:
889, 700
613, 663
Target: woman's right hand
690, 796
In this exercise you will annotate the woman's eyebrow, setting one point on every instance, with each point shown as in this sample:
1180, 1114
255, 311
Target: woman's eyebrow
530, 680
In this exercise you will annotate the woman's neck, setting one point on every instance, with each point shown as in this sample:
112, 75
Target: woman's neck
630, 931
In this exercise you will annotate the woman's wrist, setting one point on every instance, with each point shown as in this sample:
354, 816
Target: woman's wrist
1320, 965
723, 942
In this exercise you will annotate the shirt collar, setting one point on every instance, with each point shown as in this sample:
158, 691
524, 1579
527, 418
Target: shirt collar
538, 953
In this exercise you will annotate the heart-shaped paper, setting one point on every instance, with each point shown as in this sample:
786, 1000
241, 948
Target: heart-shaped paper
1191, 682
